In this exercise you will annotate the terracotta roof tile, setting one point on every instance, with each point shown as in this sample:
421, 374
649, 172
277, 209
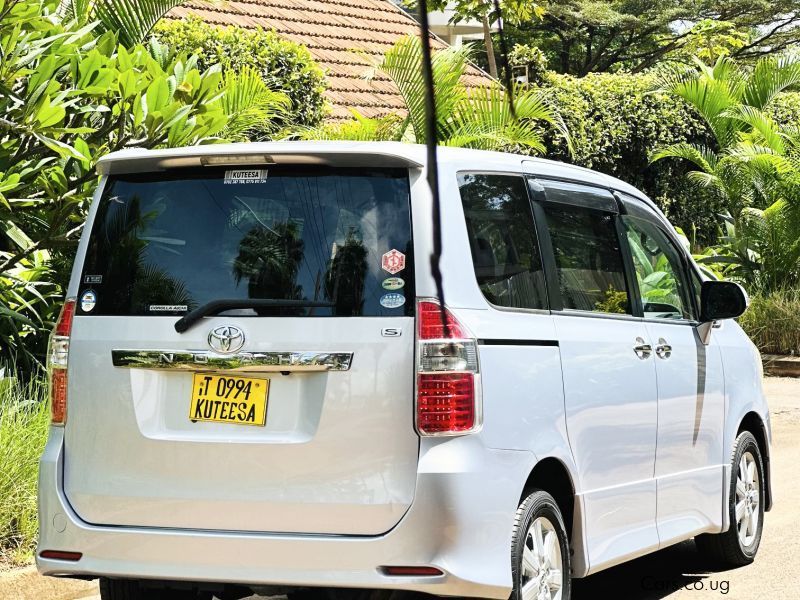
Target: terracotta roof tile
335, 32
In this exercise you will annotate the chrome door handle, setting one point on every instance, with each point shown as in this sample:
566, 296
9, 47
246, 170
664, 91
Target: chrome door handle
642, 350
663, 350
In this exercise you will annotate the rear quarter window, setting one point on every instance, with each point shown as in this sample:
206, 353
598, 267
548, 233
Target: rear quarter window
503, 241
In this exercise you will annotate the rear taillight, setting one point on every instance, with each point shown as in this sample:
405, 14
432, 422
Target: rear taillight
448, 379
57, 363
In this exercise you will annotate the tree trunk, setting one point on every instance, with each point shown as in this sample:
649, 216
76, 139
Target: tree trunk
487, 40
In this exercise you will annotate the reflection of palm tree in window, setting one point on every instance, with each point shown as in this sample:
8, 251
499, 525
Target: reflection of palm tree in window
269, 260
129, 275
347, 271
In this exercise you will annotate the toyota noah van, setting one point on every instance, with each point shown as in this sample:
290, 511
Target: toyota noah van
256, 389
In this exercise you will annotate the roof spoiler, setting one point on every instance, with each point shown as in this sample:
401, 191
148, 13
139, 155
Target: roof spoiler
296, 153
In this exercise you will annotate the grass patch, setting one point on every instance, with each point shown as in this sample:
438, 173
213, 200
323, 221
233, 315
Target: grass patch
24, 422
773, 322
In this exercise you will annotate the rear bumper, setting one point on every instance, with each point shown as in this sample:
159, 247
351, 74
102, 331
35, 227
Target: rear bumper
461, 522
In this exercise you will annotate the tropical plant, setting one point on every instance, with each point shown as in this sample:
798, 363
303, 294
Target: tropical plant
749, 152
69, 96
132, 20
478, 117
760, 249
754, 166
28, 303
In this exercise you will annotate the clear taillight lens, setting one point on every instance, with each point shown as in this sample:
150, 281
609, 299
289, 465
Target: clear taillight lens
58, 358
448, 380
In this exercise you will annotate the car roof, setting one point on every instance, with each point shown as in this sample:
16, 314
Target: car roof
344, 153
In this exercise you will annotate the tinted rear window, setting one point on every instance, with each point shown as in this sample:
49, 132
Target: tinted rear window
164, 244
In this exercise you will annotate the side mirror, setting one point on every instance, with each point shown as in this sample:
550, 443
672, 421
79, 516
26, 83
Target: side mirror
721, 300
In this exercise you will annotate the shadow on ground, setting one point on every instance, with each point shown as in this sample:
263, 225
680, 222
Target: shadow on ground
655, 576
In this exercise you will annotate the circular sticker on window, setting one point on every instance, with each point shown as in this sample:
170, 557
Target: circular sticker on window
393, 300
393, 283
88, 301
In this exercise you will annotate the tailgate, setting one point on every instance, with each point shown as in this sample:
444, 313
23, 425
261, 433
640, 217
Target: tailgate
295, 417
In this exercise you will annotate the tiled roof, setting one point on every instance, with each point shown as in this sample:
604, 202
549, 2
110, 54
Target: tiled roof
338, 33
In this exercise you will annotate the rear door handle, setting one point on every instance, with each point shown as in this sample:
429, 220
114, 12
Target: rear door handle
663, 350
643, 350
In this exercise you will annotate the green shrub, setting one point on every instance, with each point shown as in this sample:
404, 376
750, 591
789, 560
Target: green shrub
616, 121
24, 421
773, 322
284, 65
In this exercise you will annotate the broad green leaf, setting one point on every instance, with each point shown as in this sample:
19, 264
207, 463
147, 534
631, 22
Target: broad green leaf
62, 149
157, 96
49, 115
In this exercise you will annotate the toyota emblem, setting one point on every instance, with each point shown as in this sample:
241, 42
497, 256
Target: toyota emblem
226, 339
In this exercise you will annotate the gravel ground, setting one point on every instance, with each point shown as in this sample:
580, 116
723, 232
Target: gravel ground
679, 573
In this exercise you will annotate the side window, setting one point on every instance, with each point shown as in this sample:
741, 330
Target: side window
588, 257
659, 271
502, 238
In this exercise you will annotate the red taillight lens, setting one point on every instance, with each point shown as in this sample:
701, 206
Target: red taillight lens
448, 389
429, 317
445, 403
58, 358
64, 324
58, 395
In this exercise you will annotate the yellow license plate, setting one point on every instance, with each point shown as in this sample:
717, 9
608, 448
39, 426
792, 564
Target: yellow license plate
229, 399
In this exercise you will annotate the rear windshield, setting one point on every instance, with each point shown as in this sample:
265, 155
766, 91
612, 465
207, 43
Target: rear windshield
166, 243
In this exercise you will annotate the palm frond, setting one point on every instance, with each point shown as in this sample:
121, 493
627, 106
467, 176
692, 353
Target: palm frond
699, 155
771, 76
132, 20
403, 64
251, 106
767, 131
483, 119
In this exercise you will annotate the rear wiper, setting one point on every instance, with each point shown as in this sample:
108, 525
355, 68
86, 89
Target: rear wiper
217, 306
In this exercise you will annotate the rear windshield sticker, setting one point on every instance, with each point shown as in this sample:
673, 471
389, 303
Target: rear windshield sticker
393, 261
168, 308
88, 301
237, 176
393, 300
93, 279
393, 283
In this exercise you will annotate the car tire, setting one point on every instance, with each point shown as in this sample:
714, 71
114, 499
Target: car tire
738, 546
540, 556
128, 589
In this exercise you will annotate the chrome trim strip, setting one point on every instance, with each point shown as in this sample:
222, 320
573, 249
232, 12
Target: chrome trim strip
201, 360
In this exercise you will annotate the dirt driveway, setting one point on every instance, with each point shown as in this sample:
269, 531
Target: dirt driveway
678, 573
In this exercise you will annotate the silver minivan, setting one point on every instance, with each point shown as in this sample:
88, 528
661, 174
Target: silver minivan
255, 388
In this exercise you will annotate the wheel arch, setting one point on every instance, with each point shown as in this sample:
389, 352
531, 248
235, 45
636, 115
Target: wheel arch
753, 423
553, 476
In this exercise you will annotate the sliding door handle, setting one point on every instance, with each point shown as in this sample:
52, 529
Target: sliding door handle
663, 350
643, 350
